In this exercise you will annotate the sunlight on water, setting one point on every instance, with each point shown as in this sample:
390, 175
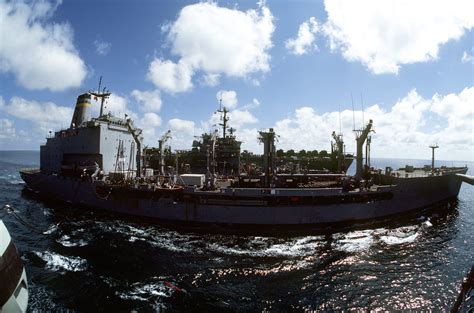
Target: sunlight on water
88, 258
57, 262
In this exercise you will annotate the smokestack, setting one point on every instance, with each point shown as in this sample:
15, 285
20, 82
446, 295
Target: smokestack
82, 112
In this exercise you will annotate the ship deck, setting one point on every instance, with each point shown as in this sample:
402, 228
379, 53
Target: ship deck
409, 172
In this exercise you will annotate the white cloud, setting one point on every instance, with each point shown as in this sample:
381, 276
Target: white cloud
228, 97
148, 123
46, 115
458, 111
403, 131
467, 58
182, 133
255, 82
150, 120
169, 76
304, 42
150, 101
249, 138
211, 79
238, 118
115, 104
40, 54
102, 47
252, 105
7, 130
383, 35
214, 40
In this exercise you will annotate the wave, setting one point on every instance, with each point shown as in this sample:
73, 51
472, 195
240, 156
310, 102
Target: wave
58, 263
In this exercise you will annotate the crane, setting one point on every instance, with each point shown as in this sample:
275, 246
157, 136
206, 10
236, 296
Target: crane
211, 165
161, 146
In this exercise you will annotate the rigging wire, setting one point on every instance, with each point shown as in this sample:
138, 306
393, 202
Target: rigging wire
10, 210
353, 113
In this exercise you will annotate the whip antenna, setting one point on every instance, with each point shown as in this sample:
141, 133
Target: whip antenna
340, 123
353, 113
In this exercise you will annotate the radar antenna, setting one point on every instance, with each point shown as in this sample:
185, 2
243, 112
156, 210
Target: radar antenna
224, 118
102, 95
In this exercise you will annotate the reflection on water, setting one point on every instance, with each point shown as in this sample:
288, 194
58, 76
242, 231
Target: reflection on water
89, 259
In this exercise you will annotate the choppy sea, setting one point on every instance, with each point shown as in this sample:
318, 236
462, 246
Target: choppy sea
91, 261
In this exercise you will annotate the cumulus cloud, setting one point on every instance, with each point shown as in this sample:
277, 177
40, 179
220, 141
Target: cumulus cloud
211, 79
169, 76
252, 105
402, 131
228, 98
183, 132
7, 130
102, 47
383, 35
239, 118
150, 101
304, 41
116, 105
151, 120
148, 123
45, 116
40, 54
214, 40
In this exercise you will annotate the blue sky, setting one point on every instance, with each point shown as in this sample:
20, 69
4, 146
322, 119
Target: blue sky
288, 65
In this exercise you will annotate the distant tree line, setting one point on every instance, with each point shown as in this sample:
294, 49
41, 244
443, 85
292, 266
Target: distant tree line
301, 154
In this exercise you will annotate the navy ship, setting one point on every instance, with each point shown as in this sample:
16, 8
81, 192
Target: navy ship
98, 162
230, 161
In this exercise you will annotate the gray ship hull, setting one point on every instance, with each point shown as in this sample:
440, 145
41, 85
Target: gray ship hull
257, 206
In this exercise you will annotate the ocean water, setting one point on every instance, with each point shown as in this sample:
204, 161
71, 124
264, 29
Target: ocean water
91, 261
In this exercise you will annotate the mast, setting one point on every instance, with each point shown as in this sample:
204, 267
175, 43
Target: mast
433, 147
224, 118
102, 95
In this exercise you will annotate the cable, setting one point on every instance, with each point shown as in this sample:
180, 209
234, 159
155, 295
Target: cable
9, 209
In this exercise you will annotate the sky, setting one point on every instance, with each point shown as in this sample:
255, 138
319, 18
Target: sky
305, 68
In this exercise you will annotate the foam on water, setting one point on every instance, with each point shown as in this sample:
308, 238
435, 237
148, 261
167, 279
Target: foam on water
51, 229
356, 241
266, 247
396, 240
58, 263
67, 241
151, 290
172, 241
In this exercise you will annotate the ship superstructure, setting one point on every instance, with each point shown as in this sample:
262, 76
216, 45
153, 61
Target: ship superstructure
109, 143
222, 151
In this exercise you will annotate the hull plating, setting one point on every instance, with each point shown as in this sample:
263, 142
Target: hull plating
405, 195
